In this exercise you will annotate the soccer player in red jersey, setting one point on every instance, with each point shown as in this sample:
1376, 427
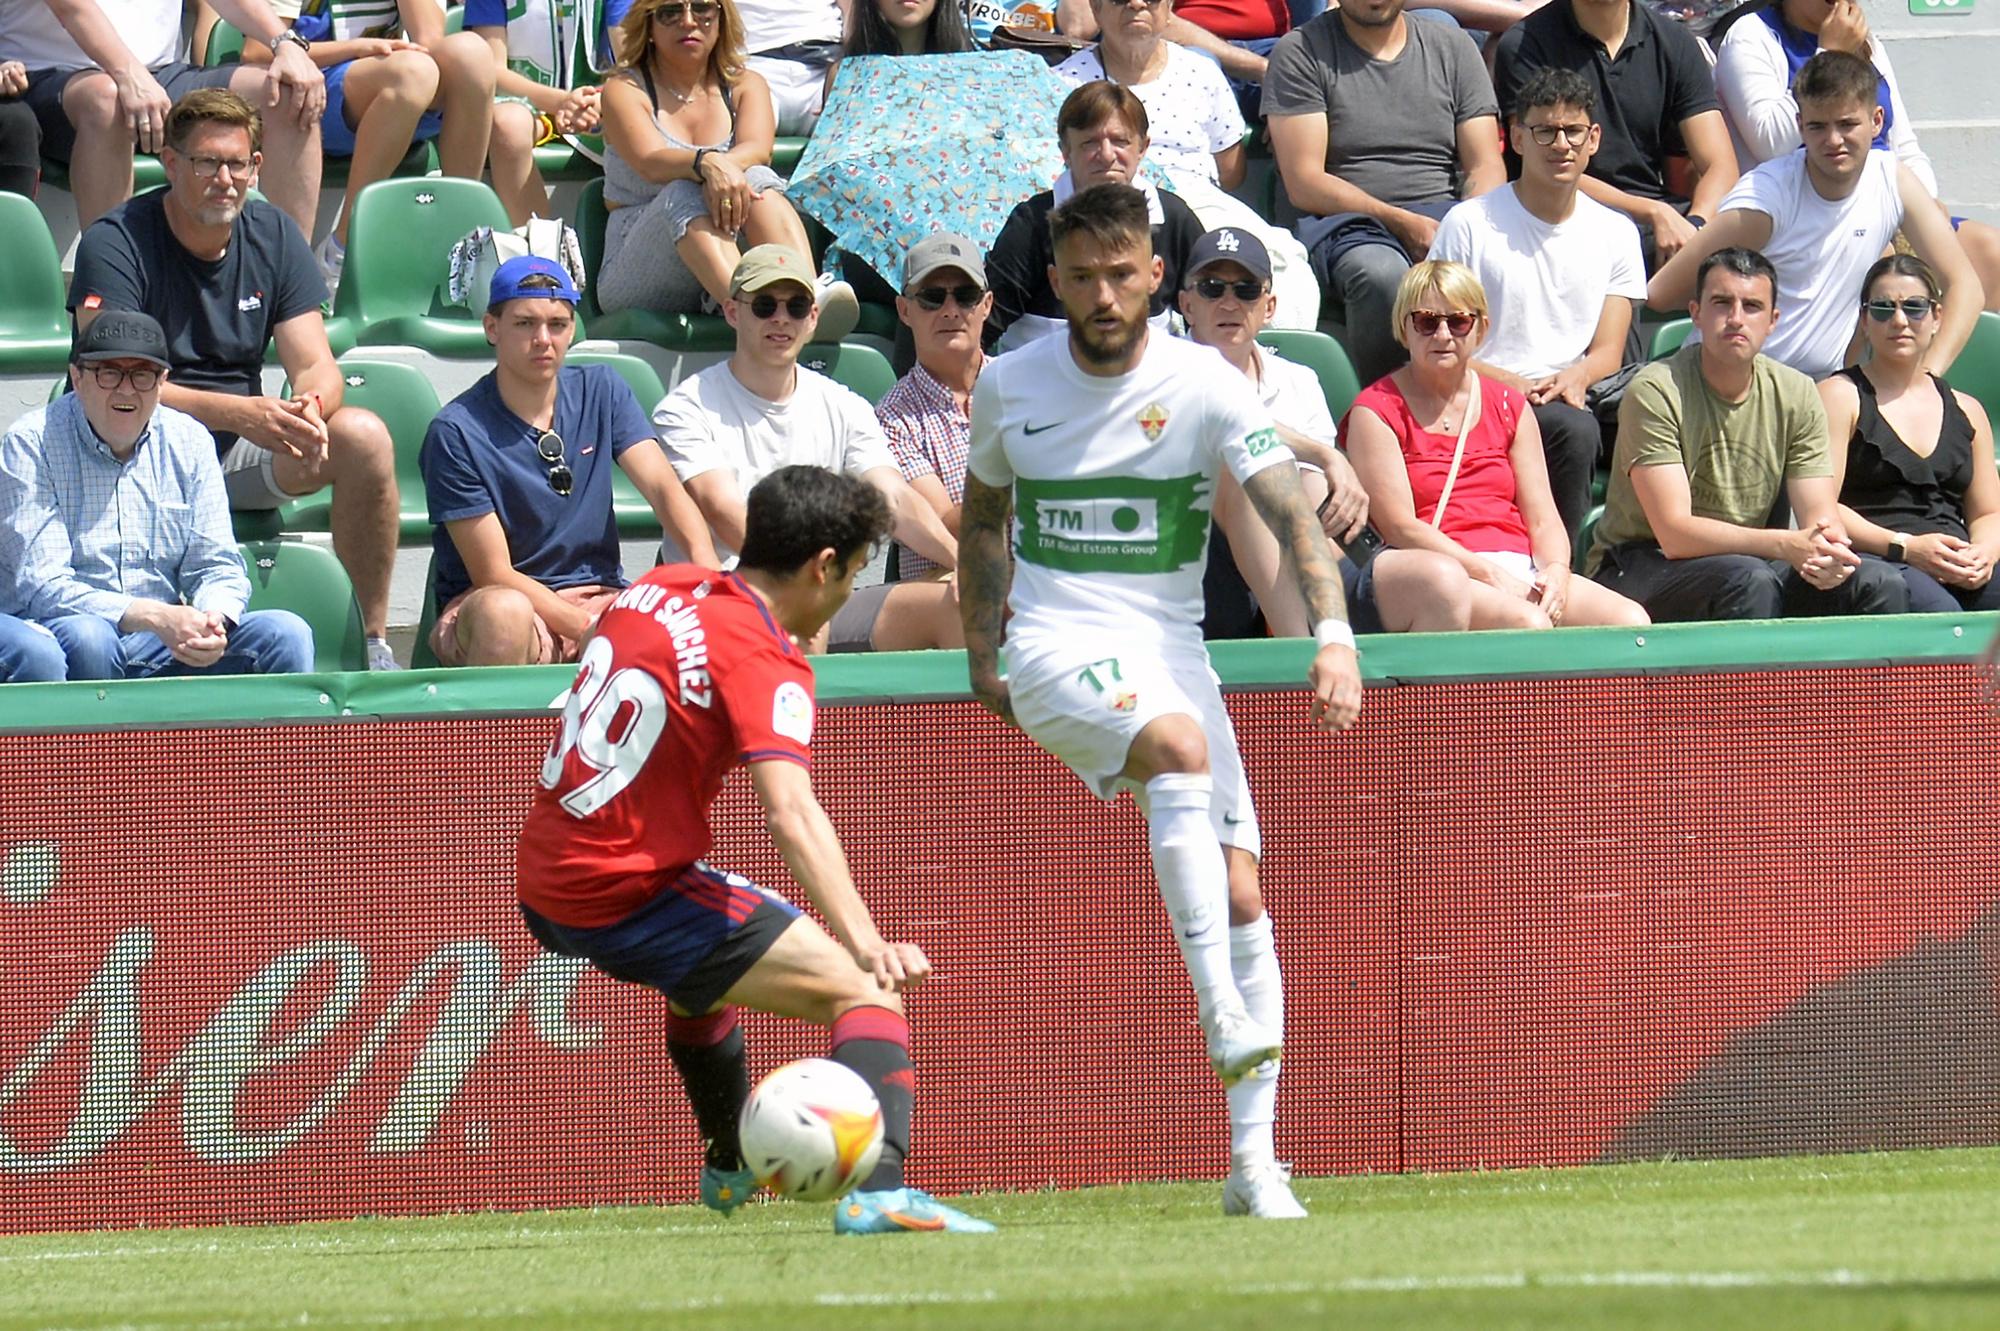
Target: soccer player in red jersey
689, 672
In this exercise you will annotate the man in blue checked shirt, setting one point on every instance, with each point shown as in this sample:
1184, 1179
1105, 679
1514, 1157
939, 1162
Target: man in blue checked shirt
117, 526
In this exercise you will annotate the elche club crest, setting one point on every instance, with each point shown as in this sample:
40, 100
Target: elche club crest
1153, 419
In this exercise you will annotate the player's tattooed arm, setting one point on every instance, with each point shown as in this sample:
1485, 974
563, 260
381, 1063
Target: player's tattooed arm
983, 578
1335, 674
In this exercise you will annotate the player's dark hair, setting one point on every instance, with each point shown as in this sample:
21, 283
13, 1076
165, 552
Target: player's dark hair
1094, 105
1743, 262
1114, 216
1554, 86
796, 512
212, 106
944, 31
1836, 76
1901, 265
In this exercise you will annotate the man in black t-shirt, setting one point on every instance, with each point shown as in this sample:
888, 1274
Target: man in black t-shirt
226, 275
1655, 101
1102, 131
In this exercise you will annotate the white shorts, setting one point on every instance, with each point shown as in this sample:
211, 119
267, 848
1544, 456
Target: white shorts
798, 91
1087, 710
1511, 562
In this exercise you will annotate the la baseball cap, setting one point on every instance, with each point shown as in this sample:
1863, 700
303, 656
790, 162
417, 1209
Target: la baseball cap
767, 265
942, 249
122, 335
507, 282
1233, 244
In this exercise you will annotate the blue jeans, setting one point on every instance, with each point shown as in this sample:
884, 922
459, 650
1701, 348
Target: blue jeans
266, 642
29, 653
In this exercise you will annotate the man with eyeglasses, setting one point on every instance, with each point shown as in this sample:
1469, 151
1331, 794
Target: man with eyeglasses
117, 536
928, 414
1227, 302
738, 421
517, 469
1561, 272
229, 275
1823, 216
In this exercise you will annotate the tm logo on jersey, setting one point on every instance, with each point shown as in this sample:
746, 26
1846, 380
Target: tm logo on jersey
1112, 524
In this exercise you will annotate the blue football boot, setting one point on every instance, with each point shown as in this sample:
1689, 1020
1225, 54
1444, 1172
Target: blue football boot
726, 1189
901, 1211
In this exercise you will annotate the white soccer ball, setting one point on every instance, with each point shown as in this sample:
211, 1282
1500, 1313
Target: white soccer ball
812, 1131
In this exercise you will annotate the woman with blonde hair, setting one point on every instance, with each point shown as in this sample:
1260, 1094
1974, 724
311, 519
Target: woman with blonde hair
1452, 463
688, 129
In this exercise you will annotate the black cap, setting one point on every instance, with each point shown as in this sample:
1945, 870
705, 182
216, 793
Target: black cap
1232, 243
122, 335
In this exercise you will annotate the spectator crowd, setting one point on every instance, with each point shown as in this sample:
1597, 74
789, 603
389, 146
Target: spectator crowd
1491, 207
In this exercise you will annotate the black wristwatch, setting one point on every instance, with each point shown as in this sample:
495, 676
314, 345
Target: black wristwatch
1898, 547
700, 153
295, 37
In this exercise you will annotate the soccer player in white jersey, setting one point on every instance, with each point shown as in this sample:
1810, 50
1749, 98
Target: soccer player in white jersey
1106, 445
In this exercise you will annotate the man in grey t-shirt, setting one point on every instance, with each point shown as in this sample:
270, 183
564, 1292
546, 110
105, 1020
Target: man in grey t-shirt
1379, 125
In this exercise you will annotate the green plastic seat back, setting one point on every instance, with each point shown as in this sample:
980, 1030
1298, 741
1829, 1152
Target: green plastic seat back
421, 655
225, 44
1324, 357
641, 378
309, 581
1669, 337
403, 397
863, 369
589, 221
1977, 369
399, 244
34, 325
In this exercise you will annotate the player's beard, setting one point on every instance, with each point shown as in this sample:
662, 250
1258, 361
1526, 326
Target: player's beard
1102, 348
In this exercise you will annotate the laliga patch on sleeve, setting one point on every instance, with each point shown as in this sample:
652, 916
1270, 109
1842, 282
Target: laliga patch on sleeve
792, 712
1260, 442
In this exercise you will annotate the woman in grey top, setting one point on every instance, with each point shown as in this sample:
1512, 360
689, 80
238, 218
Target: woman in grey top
688, 129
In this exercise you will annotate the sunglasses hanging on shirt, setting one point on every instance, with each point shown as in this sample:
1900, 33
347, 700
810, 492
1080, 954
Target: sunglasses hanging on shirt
561, 479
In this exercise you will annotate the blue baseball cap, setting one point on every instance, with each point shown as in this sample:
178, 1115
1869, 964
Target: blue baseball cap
507, 281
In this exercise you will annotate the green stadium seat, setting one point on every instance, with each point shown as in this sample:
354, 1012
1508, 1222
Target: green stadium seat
34, 323
1324, 357
863, 369
398, 247
309, 581
1668, 338
225, 45
786, 152
1977, 369
1584, 536
677, 332
635, 516
421, 655
147, 173
403, 397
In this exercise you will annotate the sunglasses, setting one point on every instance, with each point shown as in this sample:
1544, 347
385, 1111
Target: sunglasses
1914, 308
933, 298
764, 305
701, 11
1211, 288
1458, 324
561, 479
110, 376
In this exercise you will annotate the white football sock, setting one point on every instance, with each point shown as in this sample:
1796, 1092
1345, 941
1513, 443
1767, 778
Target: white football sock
1194, 880
1253, 1101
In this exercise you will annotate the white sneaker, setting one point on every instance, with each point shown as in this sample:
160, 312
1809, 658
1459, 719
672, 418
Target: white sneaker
1262, 1191
1238, 1045
839, 309
381, 656
332, 256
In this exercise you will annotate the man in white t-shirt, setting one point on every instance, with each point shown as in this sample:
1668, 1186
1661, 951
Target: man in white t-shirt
1822, 215
735, 423
1106, 445
791, 43
1560, 270
101, 78
1227, 301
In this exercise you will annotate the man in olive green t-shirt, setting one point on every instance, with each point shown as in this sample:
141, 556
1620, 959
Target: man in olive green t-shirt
1708, 441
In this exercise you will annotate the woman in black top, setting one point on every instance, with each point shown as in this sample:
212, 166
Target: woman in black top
1918, 484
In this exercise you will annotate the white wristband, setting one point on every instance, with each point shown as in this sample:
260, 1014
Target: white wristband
1333, 631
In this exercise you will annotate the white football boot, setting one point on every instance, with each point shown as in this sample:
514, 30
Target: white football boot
1262, 1191
1237, 1044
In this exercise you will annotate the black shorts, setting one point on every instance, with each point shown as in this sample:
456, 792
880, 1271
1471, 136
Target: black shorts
45, 94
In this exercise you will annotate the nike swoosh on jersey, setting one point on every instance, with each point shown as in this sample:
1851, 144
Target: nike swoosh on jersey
1037, 429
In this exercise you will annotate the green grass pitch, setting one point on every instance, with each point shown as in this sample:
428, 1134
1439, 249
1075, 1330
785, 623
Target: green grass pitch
1885, 1241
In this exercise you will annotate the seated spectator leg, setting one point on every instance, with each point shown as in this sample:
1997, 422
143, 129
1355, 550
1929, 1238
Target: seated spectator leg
1420, 591
383, 99
494, 626
1572, 441
1492, 608
465, 96
29, 653
516, 178
773, 221
1982, 245
1691, 590
1876, 588
361, 467
709, 254
1927, 595
1362, 283
100, 165
1981, 598
95, 649
293, 161
919, 616
20, 148
266, 642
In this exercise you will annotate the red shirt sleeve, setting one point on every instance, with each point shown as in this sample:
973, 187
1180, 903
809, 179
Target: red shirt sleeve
768, 696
